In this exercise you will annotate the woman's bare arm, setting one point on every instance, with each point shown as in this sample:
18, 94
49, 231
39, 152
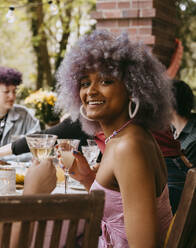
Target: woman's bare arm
133, 171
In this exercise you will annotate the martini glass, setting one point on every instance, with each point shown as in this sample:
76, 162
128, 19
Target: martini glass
41, 145
67, 146
91, 152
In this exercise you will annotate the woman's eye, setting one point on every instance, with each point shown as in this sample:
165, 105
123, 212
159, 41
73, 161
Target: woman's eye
84, 84
107, 82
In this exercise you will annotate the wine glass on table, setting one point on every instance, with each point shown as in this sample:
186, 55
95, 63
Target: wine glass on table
66, 148
91, 152
41, 145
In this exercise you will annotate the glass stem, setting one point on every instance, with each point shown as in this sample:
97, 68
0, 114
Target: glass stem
66, 180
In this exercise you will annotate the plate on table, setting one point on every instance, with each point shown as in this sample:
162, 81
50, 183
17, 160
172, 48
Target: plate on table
19, 186
76, 185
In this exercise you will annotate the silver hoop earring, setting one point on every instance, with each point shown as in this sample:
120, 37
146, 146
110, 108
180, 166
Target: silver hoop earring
83, 114
137, 104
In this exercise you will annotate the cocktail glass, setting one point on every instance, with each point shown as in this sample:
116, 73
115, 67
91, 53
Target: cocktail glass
66, 151
41, 145
91, 152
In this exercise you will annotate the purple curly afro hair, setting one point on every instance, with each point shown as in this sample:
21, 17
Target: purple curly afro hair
9, 76
132, 63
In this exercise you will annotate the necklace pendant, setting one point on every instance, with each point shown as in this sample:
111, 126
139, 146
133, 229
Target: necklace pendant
115, 133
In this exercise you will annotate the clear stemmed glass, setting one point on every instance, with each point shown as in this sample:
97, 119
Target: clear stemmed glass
91, 152
69, 145
41, 145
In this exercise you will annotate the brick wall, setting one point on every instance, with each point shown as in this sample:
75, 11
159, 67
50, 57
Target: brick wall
153, 22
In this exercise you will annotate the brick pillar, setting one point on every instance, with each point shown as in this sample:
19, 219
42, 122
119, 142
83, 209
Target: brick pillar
151, 21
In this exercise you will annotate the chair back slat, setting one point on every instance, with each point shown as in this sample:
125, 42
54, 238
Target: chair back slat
6, 234
89, 241
24, 234
72, 231
183, 232
40, 228
35, 211
56, 232
86, 234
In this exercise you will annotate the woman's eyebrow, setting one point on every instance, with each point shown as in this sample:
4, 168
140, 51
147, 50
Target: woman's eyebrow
84, 77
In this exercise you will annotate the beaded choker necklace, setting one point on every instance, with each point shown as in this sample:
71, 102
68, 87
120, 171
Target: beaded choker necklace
117, 131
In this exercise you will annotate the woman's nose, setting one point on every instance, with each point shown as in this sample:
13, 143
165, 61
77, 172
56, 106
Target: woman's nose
92, 89
12, 95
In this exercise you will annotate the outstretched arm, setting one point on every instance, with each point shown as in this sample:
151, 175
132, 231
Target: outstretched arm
175, 60
64, 130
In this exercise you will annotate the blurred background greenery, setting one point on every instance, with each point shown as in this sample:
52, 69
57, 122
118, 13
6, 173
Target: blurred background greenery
187, 34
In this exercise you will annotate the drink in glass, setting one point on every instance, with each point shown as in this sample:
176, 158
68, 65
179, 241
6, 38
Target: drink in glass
41, 145
66, 150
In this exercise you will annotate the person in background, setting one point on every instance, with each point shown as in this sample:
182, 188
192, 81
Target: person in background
184, 121
15, 120
118, 85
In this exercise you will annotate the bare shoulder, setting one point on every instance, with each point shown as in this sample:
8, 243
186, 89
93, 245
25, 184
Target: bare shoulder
135, 138
135, 149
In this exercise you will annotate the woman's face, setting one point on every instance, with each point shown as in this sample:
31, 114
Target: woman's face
7, 97
103, 98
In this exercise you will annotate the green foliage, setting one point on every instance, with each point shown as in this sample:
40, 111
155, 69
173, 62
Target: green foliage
36, 42
22, 92
15, 42
187, 34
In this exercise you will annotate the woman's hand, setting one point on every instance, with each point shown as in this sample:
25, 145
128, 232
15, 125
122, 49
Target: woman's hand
40, 177
81, 171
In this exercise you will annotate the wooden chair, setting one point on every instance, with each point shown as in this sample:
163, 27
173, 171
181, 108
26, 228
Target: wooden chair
183, 231
41, 208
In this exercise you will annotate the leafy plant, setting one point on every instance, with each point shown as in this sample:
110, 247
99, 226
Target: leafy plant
43, 102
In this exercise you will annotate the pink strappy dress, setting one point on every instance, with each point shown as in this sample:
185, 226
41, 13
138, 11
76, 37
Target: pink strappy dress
113, 230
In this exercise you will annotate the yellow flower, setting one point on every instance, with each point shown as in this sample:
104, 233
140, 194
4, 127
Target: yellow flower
43, 102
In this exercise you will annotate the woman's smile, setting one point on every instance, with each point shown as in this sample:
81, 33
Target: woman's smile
101, 96
94, 104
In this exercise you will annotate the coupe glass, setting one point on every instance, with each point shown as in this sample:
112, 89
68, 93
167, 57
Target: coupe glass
91, 152
41, 145
69, 145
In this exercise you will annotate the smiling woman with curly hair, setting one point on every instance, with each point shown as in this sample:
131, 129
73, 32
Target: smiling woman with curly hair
113, 85
131, 63
119, 87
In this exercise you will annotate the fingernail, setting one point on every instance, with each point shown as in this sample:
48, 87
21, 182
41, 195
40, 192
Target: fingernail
75, 152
